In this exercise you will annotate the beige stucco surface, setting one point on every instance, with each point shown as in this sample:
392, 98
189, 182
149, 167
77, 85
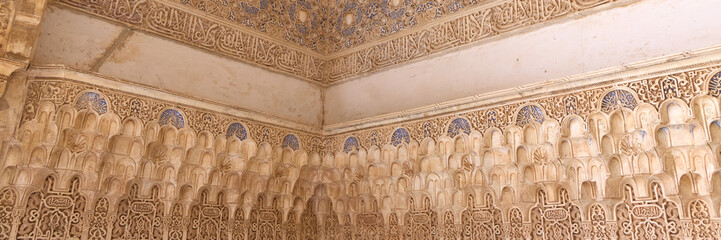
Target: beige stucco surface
177, 68
610, 38
77, 41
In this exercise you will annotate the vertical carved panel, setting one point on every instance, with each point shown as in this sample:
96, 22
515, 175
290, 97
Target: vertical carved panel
291, 228
332, 226
449, 228
347, 230
139, 217
6, 10
239, 225
265, 223
654, 218
369, 226
208, 220
515, 218
175, 230
7, 204
53, 214
309, 224
482, 222
395, 231
555, 220
700, 219
597, 215
421, 224
98, 225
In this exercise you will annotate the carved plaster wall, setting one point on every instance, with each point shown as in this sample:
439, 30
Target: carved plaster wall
614, 37
329, 41
93, 158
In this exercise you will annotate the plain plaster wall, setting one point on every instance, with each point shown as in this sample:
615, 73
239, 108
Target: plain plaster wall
76, 40
178, 68
62, 40
633, 33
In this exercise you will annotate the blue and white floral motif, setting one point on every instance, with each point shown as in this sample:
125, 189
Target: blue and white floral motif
492, 118
290, 141
427, 129
459, 125
400, 136
172, 117
529, 114
92, 101
571, 105
714, 85
136, 107
265, 134
616, 99
374, 139
669, 87
237, 129
351, 144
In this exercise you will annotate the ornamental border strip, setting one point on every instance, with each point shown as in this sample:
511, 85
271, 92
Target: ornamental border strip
237, 42
65, 91
683, 83
487, 21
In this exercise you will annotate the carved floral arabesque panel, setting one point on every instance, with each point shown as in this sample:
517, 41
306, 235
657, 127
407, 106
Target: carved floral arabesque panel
6, 11
228, 39
333, 25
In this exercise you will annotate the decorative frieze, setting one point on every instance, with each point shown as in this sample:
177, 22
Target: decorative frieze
346, 28
177, 23
652, 91
125, 105
488, 21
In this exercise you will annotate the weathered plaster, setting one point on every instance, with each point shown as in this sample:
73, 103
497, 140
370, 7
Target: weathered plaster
75, 40
614, 37
168, 65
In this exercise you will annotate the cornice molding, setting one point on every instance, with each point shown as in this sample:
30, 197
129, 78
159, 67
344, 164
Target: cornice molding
483, 22
688, 73
96, 79
649, 83
604, 77
61, 86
